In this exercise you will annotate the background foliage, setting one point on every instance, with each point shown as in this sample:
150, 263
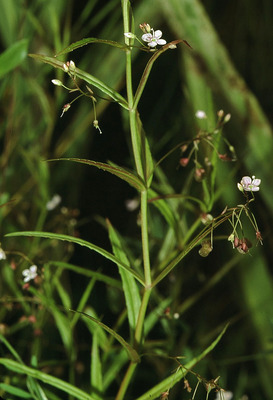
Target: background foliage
229, 68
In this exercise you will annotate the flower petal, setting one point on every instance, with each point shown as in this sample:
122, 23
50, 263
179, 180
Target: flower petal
246, 180
33, 269
161, 41
147, 37
256, 182
152, 43
157, 34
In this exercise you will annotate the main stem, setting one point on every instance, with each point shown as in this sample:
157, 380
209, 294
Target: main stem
139, 163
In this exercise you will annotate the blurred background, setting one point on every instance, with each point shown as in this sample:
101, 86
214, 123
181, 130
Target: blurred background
229, 68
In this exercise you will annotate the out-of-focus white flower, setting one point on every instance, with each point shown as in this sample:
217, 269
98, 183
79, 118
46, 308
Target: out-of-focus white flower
224, 395
201, 114
132, 204
54, 202
153, 38
30, 273
2, 254
249, 184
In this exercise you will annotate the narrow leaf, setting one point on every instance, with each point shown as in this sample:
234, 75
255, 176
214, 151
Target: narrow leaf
86, 272
85, 41
96, 372
49, 379
81, 242
132, 354
131, 291
120, 172
13, 56
22, 394
205, 232
86, 77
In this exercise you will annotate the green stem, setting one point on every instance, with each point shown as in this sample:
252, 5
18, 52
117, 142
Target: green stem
136, 139
125, 382
135, 134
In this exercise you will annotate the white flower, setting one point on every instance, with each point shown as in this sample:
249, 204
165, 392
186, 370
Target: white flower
54, 202
249, 184
201, 114
2, 254
132, 204
223, 395
153, 38
30, 273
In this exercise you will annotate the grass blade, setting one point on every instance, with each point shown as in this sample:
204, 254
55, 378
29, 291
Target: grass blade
131, 291
86, 77
120, 172
81, 242
169, 382
86, 41
13, 56
50, 380
132, 354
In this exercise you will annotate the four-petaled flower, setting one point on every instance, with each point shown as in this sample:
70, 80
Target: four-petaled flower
249, 184
30, 273
153, 38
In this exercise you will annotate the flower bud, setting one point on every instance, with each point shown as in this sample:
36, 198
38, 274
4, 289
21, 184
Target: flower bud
220, 114
129, 35
145, 27
227, 118
72, 66
65, 67
56, 82
96, 125
65, 109
184, 161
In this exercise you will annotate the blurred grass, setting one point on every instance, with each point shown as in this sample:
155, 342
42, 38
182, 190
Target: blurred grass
207, 293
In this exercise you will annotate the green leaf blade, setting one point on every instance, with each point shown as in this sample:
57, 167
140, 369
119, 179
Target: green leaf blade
131, 291
81, 242
180, 373
113, 94
122, 173
50, 380
13, 56
132, 353
86, 41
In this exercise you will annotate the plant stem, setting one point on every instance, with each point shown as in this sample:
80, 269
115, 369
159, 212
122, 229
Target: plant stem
135, 134
140, 163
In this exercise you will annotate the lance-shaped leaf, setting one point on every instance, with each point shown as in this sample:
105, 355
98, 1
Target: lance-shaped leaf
13, 56
48, 379
81, 242
202, 235
132, 353
120, 172
92, 80
131, 291
180, 373
85, 41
